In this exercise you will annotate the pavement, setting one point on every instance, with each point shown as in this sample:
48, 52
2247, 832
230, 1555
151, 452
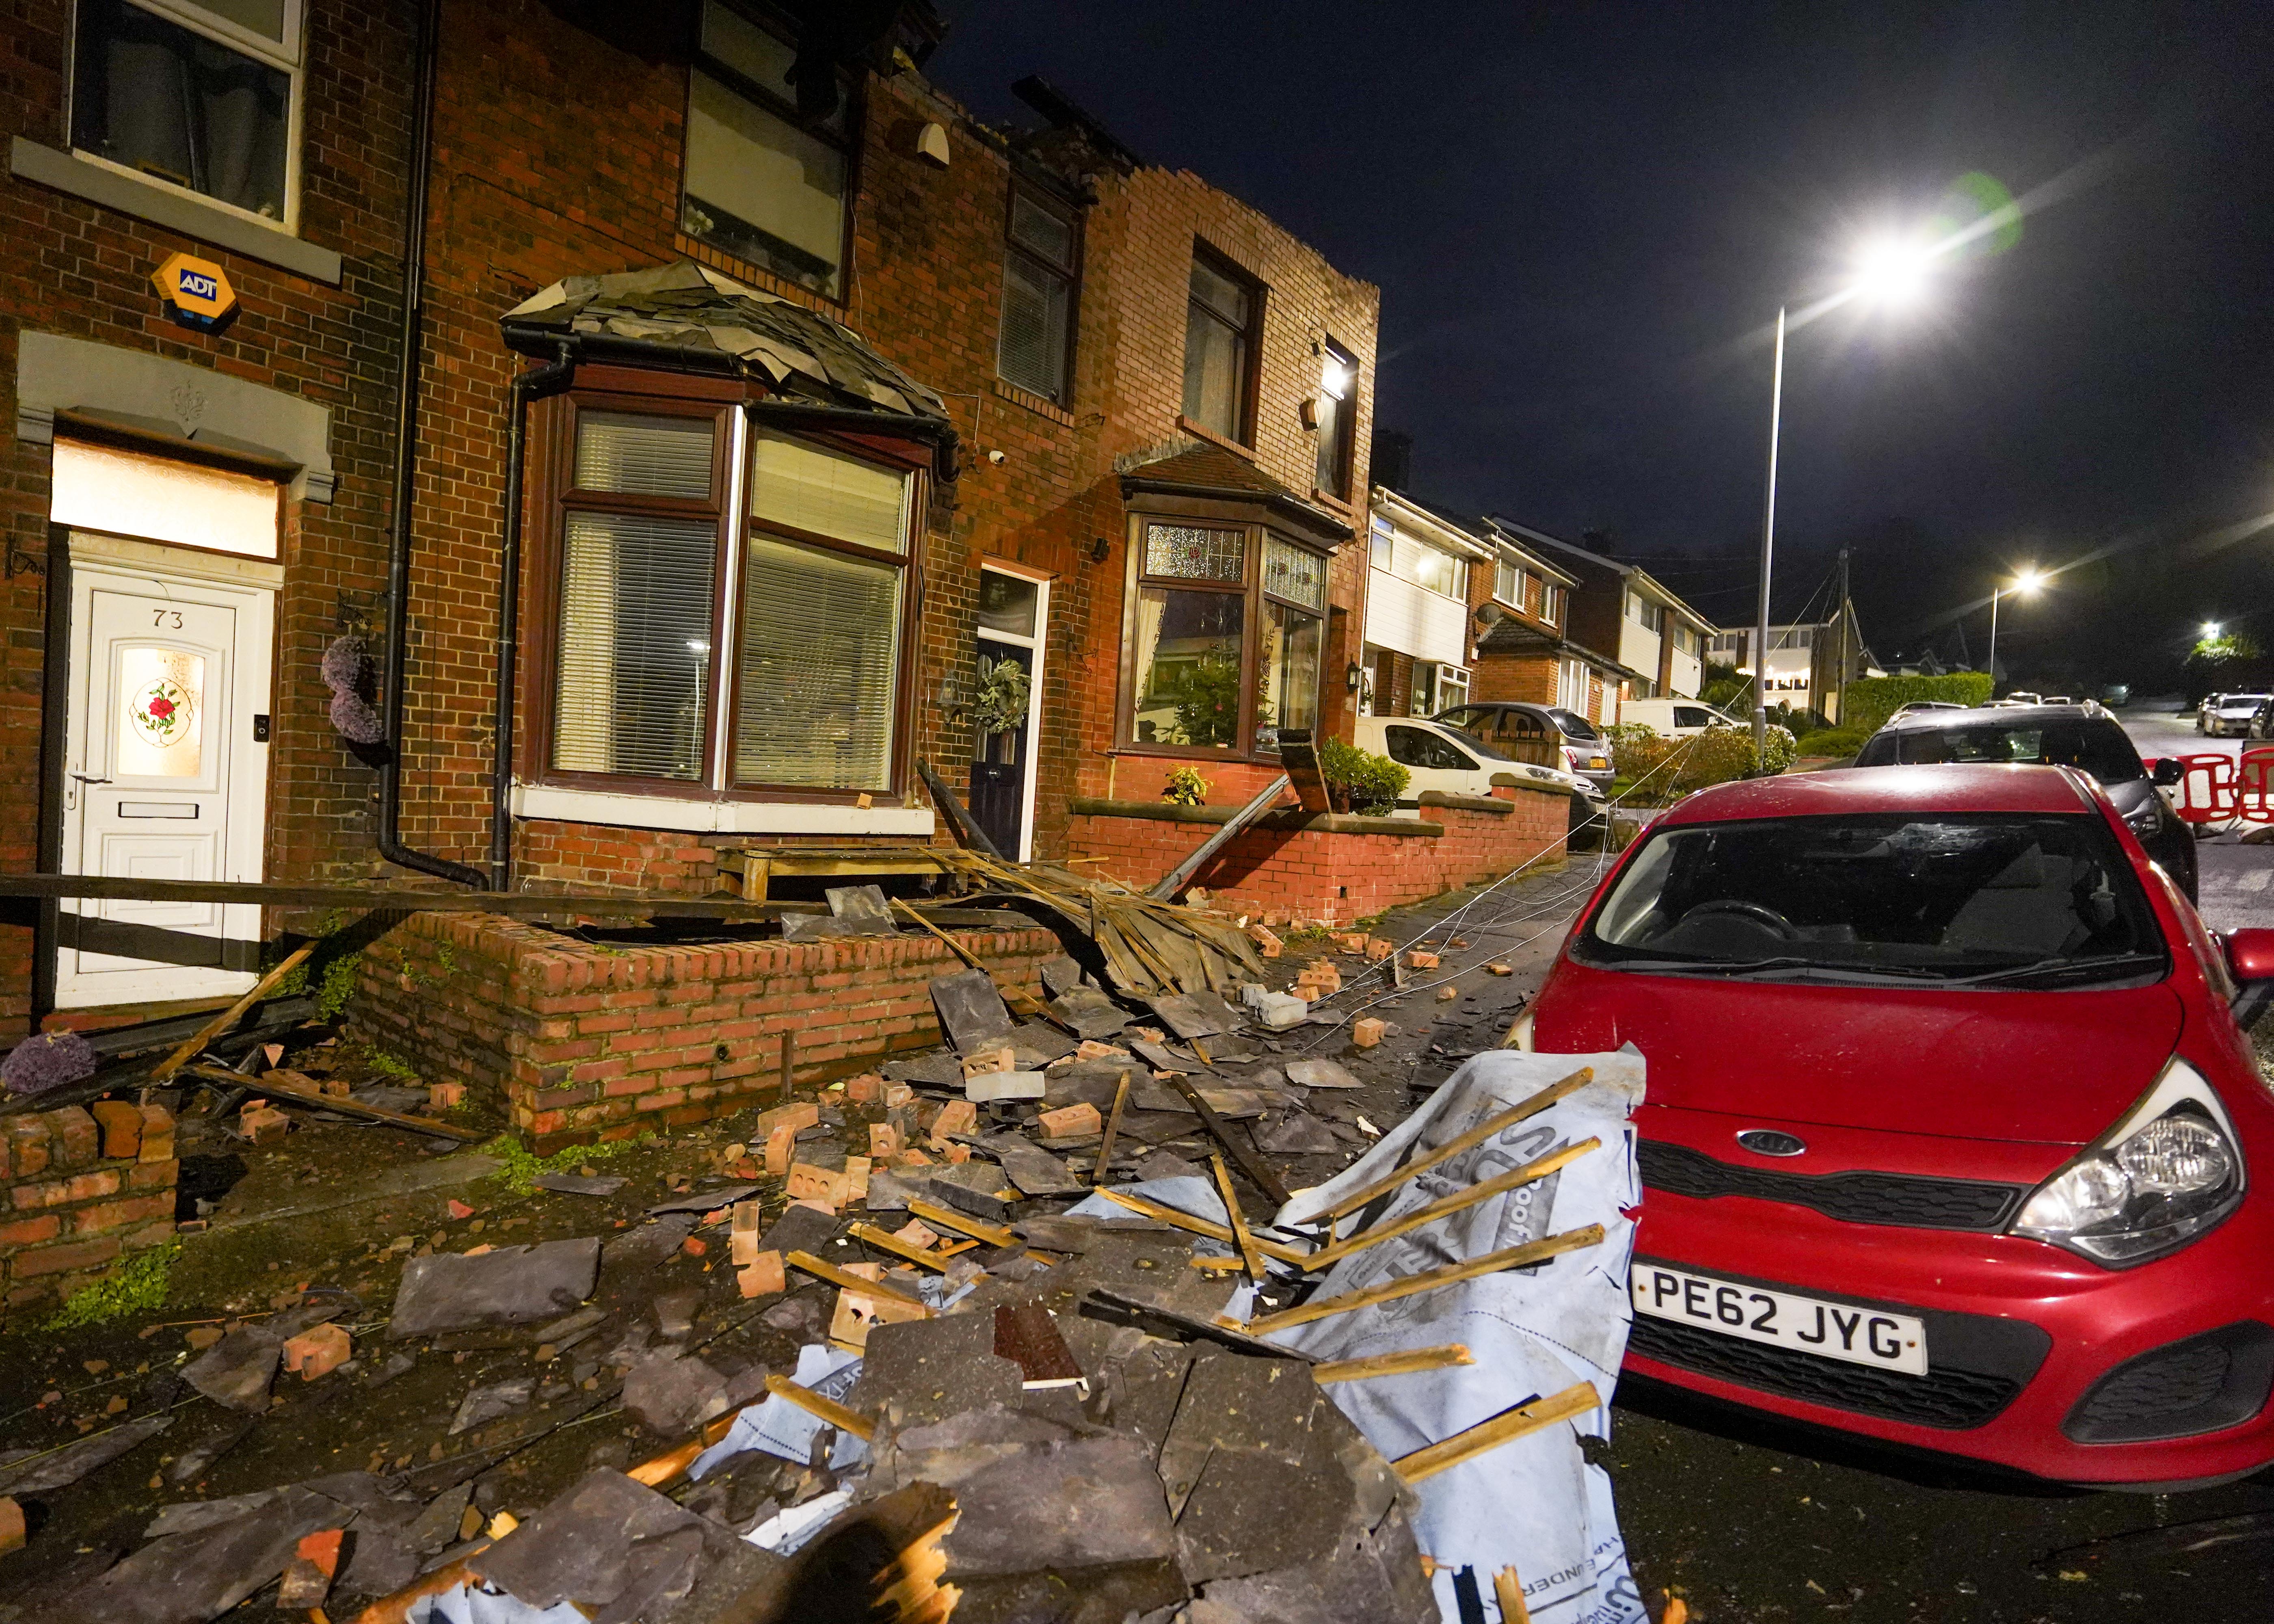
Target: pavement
1748, 1518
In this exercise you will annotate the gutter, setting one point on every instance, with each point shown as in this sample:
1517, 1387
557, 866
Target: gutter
388, 834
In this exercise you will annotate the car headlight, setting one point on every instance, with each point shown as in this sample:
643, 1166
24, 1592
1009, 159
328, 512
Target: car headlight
2164, 1174
2146, 818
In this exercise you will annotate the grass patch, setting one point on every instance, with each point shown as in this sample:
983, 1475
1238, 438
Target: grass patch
523, 1167
390, 1066
138, 1286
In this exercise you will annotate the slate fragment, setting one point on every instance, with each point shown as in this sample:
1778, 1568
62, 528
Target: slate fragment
863, 905
924, 1371
1061, 975
577, 1183
34, 1470
236, 1371
672, 1393
1294, 1134
190, 1578
1089, 1012
618, 1550
486, 1403
1034, 1170
1321, 1074
971, 1011
799, 1228
509, 1286
933, 1070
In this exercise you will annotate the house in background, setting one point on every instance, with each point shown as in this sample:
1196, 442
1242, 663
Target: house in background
1810, 662
1525, 649
1631, 632
1420, 639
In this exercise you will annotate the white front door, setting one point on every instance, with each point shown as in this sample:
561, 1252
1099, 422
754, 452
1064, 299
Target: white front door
165, 780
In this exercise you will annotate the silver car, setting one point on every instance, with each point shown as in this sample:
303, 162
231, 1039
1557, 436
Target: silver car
2233, 714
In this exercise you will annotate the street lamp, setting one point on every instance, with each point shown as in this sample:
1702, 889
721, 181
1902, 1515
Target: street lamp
1891, 271
2211, 630
2026, 582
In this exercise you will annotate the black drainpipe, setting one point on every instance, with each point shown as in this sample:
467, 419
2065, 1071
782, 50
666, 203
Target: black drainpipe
534, 384
406, 466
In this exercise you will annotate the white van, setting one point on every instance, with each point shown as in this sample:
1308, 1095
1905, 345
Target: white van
1674, 718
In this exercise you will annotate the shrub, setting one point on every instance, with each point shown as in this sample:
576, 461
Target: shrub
1834, 741
1366, 783
137, 1286
1641, 759
1870, 701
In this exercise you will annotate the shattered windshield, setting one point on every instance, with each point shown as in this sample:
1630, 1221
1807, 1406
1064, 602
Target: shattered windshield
1993, 900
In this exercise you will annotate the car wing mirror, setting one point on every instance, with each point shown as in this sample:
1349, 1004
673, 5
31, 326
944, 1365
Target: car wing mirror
2250, 955
2167, 771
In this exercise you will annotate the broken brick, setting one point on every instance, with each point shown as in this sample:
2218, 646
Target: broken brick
747, 1217
762, 1276
917, 1233
856, 1177
262, 1123
1001, 1057
459, 1209
796, 1115
1092, 1049
956, 1116
1072, 1121
318, 1352
866, 1089
743, 1247
1420, 960
1378, 949
11, 1523
1448, 993
884, 1141
1366, 1031
694, 1247
1267, 941
445, 1096
122, 1128
898, 1094
1501, 969
781, 1148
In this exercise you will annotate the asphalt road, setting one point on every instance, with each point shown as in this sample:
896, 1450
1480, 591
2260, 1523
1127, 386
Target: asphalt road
1750, 1519
2235, 883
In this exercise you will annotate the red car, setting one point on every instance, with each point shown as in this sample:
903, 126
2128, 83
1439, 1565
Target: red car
1951, 1121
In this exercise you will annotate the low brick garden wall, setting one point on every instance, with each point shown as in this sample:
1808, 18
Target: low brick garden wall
573, 1041
1324, 868
79, 1195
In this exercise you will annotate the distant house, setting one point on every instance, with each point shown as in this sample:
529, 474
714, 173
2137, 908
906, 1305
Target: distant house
1419, 635
1810, 662
1655, 642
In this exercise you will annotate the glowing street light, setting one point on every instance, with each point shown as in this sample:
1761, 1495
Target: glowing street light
2026, 582
1891, 271
2211, 630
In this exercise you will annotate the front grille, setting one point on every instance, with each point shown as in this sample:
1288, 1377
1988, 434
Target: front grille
2217, 1379
1977, 1364
1907, 1200
1951, 1399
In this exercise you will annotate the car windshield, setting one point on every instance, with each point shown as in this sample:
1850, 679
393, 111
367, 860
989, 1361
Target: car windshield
1945, 898
1574, 725
2095, 744
2242, 702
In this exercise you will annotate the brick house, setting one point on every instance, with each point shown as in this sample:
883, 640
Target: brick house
1526, 649
1423, 568
1632, 637
1007, 400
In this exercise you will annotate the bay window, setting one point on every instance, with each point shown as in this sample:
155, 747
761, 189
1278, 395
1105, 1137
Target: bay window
730, 607
1226, 639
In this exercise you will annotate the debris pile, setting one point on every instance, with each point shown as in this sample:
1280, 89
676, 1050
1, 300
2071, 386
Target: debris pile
1029, 1327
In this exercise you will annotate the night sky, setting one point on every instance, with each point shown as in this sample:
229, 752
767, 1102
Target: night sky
1584, 217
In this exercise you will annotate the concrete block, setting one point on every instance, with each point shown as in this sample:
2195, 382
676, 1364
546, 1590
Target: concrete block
1279, 1010
990, 1086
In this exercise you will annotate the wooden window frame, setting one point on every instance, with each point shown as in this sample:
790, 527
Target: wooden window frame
1243, 439
1345, 463
551, 499
1076, 219
849, 143
1223, 516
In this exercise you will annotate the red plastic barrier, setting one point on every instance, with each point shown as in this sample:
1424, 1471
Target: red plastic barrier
2206, 791
2251, 787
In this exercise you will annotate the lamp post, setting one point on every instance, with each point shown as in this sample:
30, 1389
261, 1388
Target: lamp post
2025, 583
1891, 271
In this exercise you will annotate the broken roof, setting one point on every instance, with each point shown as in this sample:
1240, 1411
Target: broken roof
688, 313
1203, 470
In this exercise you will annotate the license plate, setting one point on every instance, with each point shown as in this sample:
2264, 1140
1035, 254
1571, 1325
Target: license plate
1781, 1318
1597, 761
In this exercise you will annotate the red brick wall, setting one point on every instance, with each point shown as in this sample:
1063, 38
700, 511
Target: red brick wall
574, 1041
1333, 875
75, 269
70, 1211
1529, 679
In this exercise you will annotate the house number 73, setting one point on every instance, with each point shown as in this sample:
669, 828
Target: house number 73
158, 617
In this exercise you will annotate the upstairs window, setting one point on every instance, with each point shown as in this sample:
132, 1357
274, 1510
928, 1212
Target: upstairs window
1220, 321
200, 96
1395, 553
1036, 340
757, 183
1552, 600
1511, 584
1338, 415
1651, 616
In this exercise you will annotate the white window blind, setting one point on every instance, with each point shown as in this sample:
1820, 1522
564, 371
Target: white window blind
1032, 351
643, 455
821, 635
636, 594
825, 493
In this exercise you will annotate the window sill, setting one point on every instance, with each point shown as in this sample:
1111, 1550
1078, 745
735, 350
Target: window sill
1334, 504
1215, 438
128, 194
738, 817
757, 275
1041, 405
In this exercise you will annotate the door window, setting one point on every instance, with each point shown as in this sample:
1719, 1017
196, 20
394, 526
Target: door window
161, 728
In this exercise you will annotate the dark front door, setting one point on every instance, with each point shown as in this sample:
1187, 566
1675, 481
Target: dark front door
998, 765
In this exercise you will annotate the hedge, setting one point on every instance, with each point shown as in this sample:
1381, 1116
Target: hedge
1867, 704
1716, 757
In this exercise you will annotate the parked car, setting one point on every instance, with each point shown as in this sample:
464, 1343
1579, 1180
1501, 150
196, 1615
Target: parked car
2233, 714
2262, 723
2083, 736
1952, 1121
1524, 730
1460, 764
2023, 697
2203, 708
1674, 718
1918, 705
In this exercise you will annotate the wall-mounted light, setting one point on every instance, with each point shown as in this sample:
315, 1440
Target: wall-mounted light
1098, 549
1354, 675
